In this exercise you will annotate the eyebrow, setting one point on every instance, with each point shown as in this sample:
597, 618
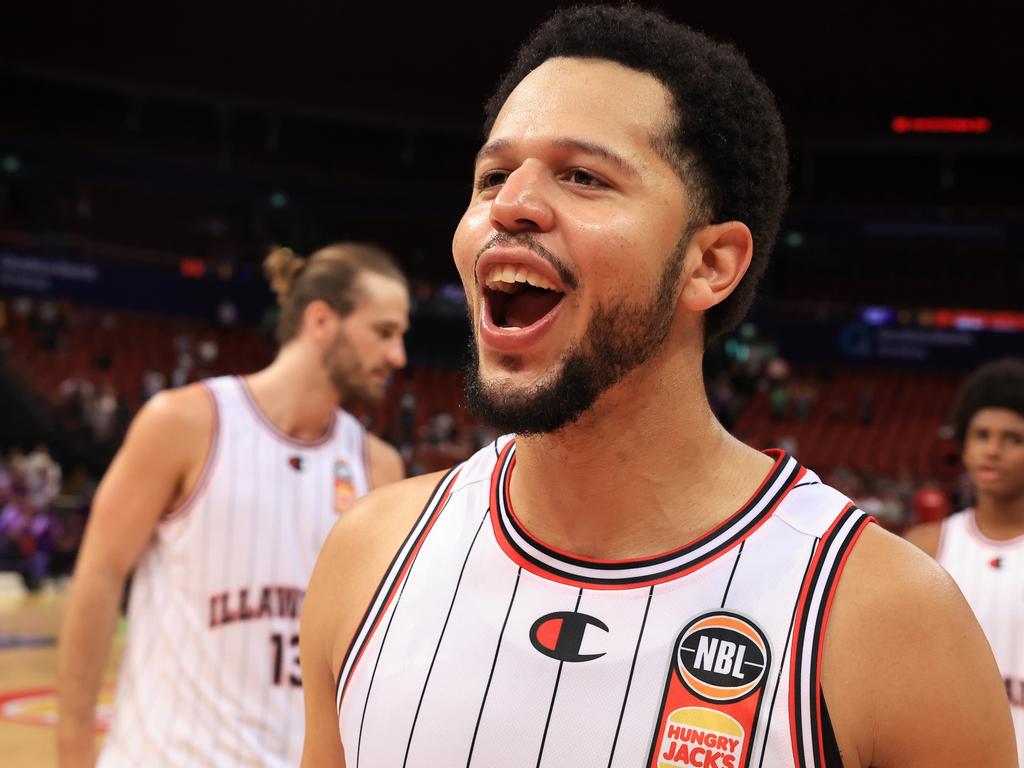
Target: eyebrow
568, 144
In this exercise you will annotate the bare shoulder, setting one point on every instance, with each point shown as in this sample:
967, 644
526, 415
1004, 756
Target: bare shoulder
358, 552
908, 675
386, 465
925, 537
190, 409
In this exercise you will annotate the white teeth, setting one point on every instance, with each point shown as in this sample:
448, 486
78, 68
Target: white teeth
505, 277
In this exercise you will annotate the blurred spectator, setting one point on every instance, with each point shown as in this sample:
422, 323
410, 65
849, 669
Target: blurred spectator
101, 414
42, 478
227, 314
930, 504
153, 381
778, 396
804, 395
407, 411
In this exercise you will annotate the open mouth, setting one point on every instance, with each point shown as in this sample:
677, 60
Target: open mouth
517, 297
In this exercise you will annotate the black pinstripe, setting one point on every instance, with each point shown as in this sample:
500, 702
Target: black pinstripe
554, 693
736, 562
629, 680
430, 669
373, 674
494, 663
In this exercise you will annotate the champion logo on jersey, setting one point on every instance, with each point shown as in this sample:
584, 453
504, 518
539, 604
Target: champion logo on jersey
560, 635
996, 562
295, 462
712, 694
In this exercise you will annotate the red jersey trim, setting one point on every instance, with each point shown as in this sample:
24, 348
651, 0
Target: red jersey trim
273, 431
809, 631
181, 510
660, 568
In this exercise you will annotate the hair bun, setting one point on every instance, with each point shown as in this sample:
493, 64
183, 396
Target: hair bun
281, 267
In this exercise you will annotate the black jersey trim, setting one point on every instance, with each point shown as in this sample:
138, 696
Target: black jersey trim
416, 533
732, 531
809, 632
440, 639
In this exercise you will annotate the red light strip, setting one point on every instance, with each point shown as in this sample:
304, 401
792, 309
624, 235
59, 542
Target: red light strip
903, 124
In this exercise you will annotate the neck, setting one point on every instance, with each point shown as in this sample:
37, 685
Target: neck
295, 393
1000, 517
646, 470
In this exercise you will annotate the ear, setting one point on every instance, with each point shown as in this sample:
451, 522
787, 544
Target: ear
319, 321
717, 258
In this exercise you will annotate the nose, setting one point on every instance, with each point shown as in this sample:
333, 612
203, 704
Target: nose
396, 354
522, 204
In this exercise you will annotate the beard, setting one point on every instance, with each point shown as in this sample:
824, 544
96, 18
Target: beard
619, 338
347, 375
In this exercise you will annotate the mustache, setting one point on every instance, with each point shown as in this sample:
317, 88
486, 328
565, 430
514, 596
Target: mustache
528, 241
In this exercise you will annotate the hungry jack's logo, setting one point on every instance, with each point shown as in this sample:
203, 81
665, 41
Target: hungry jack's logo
996, 562
344, 486
713, 693
295, 462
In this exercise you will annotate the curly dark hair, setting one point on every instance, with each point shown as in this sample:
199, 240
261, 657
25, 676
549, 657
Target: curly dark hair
998, 384
728, 143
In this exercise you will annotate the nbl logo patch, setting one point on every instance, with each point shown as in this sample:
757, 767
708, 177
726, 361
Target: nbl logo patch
721, 657
713, 693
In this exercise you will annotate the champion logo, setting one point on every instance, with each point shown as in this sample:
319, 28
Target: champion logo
560, 635
996, 562
721, 657
295, 462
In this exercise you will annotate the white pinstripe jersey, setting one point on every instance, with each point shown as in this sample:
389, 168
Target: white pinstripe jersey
991, 576
484, 647
210, 673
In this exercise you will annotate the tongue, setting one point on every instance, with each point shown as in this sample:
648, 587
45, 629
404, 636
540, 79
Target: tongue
528, 306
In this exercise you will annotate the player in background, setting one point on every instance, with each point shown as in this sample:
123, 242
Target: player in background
982, 547
218, 501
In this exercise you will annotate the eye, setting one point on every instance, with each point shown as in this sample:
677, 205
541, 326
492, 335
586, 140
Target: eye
489, 179
583, 178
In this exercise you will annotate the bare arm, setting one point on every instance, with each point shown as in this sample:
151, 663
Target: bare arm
909, 678
352, 563
159, 461
386, 465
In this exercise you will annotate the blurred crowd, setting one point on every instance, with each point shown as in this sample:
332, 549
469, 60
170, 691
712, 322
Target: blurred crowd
40, 526
43, 514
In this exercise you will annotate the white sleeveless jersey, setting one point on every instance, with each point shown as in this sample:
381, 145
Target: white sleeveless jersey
210, 672
484, 647
991, 576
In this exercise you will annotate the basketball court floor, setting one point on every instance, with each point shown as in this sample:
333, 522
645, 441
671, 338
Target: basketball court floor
29, 624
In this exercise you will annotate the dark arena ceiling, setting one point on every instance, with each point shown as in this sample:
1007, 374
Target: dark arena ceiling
836, 68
